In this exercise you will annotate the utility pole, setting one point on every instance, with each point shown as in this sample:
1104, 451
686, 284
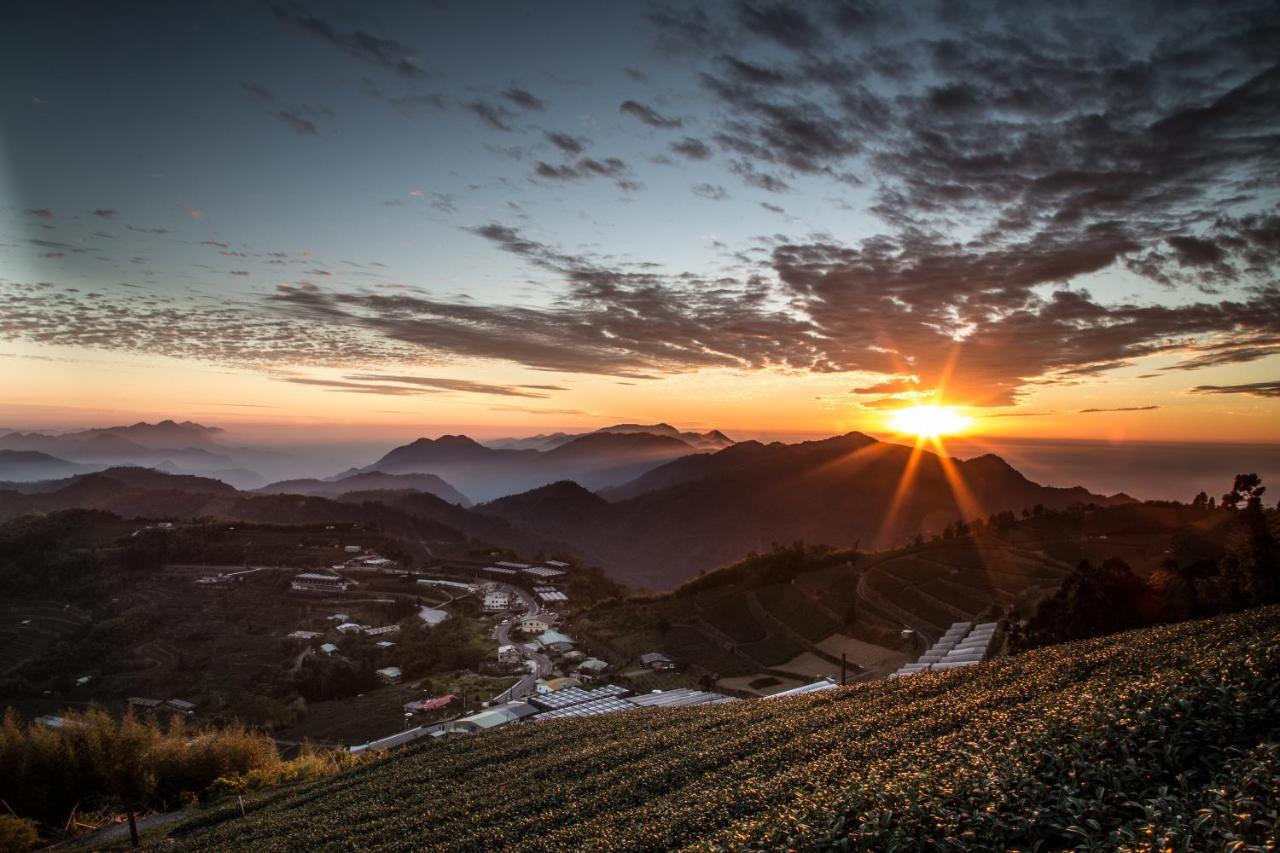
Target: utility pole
844, 667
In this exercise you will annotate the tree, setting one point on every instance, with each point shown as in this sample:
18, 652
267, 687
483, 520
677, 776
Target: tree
1247, 488
1201, 501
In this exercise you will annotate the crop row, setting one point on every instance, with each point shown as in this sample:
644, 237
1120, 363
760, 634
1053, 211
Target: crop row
1166, 737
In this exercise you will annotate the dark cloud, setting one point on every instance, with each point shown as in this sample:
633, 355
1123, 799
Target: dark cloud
783, 23
1119, 409
382, 52
1251, 389
587, 167
648, 115
714, 192
492, 115
570, 145
773, 208
694, 149
258, 91
105, 212
303, 126
39, 212
524, 100
462, 385
760, 180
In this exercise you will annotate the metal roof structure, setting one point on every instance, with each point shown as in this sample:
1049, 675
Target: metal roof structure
604, 705
679, 697
814, 687
566, 696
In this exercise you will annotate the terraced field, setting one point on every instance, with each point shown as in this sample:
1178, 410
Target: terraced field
1168, 737
28, 629
939, 585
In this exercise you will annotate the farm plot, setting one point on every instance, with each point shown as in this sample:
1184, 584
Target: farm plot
795, 610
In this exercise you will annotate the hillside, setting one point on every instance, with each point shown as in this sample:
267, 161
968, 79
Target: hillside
699, 512
424, 520
1010, 754
32, 465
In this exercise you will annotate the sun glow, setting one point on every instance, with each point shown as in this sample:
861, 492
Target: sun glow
929, 421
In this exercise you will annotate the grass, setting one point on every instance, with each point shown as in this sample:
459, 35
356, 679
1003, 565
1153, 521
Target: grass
1168, 737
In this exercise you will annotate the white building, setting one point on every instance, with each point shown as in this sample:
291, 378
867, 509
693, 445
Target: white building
494, 601
508, 654
389, 674
534, 624
316, 582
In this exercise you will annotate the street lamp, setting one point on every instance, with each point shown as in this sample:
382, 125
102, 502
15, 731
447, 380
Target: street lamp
408, 715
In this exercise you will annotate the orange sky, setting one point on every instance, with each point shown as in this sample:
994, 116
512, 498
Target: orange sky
61, 387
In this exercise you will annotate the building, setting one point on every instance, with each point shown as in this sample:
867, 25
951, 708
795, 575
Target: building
388, 674
351, 628
657, 661
543, 573
304, 635
679, 697
316, 582
495, 601
352, 549
534, 624
509, 654
328, 648
815, 687
550, 595
554, 641
382, 630
498, 715
500, 570
143, 702
556, 564
182, 706
385, 644
592, 668
418, 706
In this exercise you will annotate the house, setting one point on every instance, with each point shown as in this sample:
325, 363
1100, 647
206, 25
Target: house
535, 624
328, 648
316, 582
385, 644
353, 549
388, 674
381, 631
143, 702
554, 641
351, 628
494, 601
304, 635
657, 661
508, 654
338, 617
592, 668
182, 706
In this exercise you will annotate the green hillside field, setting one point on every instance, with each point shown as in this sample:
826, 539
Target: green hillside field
1166, 737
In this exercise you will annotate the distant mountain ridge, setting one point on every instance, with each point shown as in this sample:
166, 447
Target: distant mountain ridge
711, 440
700, 512
368, 482
594, 460
185, 447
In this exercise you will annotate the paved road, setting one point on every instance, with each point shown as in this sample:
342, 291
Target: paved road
502, 633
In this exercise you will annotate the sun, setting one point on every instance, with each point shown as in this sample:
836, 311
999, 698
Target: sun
929, 421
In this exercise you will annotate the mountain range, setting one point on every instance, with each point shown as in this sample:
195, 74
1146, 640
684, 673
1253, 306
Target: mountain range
703, 511
594, 460
183, 448
704, 441
673, 520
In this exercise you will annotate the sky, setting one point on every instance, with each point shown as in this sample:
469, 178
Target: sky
519, 218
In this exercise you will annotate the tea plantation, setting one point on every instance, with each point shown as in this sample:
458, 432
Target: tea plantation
1167, 738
